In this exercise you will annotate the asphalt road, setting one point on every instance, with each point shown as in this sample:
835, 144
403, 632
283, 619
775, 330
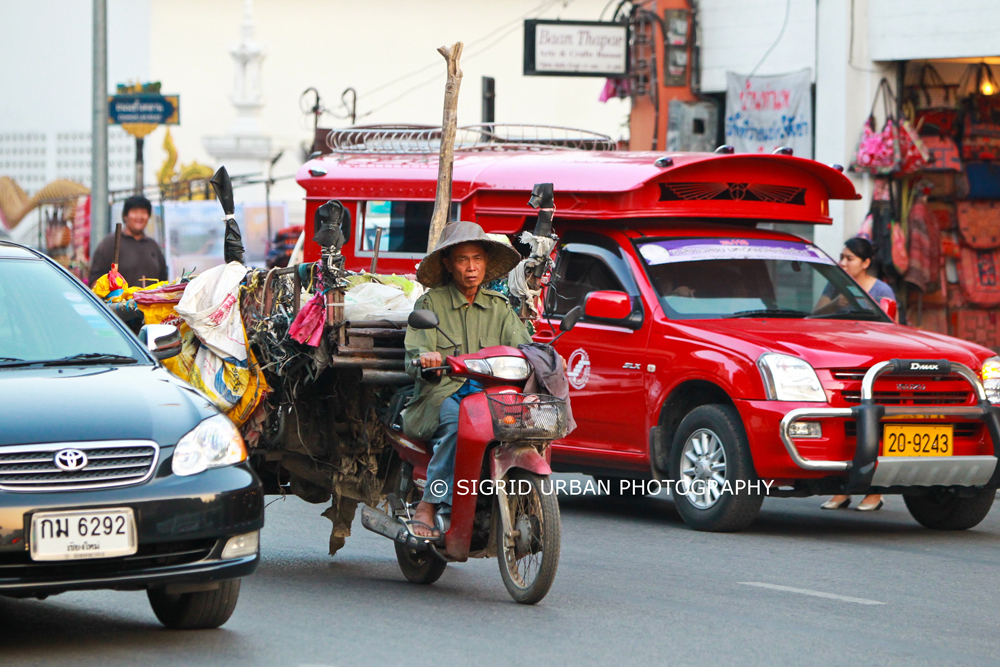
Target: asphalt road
635, 585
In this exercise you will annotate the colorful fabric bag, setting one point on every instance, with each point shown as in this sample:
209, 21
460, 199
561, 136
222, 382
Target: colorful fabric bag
983, 179
878, 151
979, 275
943, 153
979, 222
943, 214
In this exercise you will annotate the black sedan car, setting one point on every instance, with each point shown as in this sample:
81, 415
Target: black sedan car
113, 473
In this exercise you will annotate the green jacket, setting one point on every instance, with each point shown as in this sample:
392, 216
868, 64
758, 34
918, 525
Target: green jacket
489, 320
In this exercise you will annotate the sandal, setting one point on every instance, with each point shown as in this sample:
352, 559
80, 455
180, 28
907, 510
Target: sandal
434, 537
831, 505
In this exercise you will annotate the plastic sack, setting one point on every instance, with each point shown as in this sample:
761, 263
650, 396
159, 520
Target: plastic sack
372, 301
211, 307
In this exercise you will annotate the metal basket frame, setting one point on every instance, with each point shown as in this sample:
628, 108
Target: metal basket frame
527, 416
426, 139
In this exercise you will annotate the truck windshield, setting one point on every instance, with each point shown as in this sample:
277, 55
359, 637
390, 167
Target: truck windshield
712, 278
46, 318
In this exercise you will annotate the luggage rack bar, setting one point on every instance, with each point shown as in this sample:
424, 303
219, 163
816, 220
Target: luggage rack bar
426, 140
869, 415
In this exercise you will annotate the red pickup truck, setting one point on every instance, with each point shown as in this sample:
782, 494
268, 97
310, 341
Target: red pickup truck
702, 361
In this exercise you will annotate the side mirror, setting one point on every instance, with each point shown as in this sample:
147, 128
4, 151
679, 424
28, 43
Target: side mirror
163, 340
890, 308
608, 305
423, 319
570, 319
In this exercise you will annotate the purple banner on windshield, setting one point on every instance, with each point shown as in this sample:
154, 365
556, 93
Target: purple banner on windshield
698, 250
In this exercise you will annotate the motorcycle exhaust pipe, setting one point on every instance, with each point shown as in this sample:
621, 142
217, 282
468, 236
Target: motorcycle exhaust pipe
379, 522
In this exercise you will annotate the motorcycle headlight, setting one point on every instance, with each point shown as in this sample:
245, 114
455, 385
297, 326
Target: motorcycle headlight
788, 378
213, 443
991, 379
505, 368
509, 368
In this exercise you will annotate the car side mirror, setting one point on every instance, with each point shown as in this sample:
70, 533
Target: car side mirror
608, 305
890, 307
570, 319
162, 340
423, 319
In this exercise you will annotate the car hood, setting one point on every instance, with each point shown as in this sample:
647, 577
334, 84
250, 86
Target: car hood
834, 343
73, 404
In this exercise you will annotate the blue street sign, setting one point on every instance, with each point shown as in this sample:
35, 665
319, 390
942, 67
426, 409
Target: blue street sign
144, 108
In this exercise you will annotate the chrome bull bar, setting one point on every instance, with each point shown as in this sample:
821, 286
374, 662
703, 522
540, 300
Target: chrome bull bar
868, 469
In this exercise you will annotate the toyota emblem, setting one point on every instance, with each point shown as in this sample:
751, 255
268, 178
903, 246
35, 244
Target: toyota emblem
70, 460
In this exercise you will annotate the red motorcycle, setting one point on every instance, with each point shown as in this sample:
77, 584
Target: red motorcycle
503, 504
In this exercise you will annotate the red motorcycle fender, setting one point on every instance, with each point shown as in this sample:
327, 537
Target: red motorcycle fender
475, 433
525, 457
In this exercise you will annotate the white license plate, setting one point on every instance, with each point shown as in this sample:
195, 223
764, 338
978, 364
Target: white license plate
83, 534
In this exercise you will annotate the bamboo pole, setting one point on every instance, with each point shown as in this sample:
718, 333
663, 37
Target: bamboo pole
449, 125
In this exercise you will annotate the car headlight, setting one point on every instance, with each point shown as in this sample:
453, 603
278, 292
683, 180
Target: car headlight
788, 378
991, 379
505, 368
213, 443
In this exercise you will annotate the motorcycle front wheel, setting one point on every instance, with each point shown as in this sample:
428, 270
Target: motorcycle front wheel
528, 565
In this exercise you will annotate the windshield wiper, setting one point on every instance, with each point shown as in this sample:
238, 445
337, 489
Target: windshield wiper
850, 315
13, 361
766, 312
89, 358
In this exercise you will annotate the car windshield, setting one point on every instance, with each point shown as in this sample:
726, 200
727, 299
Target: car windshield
712, 278
46, 317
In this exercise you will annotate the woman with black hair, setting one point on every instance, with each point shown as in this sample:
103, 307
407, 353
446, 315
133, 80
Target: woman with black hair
855, 259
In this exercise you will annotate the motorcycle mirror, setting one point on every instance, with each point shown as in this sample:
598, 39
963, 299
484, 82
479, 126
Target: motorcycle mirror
423, 319
570, 319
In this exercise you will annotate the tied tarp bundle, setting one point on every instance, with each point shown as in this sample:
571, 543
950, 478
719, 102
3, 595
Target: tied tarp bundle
208, 306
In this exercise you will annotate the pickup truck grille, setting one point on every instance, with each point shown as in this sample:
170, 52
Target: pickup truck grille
911, 397
904, 390
107, 464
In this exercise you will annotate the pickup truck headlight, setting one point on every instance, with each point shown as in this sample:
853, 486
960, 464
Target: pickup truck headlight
505, 368
788, 378
991, 379
213, 443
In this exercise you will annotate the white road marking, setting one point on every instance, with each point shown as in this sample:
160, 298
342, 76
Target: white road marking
805, 591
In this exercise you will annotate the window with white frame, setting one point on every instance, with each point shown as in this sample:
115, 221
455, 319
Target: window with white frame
404, 224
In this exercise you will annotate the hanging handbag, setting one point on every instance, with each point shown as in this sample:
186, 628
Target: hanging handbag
878, 151
979, 222
943, 153
977, 326
923, 255
935, 102
943, 214
931, 92
979, 276
984, 180
913, 154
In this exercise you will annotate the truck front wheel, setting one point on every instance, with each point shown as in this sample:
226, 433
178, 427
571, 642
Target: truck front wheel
712, 471
941, 509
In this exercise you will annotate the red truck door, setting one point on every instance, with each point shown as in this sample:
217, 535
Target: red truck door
605, 359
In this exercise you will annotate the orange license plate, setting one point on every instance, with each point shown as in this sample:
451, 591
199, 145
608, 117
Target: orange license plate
917, 440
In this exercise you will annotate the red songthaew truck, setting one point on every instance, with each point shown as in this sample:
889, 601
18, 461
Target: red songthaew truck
701, 358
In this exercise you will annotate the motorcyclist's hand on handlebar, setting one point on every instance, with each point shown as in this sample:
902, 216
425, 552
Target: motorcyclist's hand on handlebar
430, 360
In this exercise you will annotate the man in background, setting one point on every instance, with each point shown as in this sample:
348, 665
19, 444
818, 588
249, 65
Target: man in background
139, 257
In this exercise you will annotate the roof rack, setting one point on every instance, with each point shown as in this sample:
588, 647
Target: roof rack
426, 139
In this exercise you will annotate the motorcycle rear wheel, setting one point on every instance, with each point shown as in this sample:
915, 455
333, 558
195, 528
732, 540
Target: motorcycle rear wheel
419, 567
529, 567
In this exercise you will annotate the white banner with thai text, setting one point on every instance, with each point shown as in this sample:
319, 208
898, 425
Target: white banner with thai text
767, 112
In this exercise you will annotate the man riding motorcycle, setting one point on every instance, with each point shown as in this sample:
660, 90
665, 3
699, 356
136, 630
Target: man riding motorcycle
474, 318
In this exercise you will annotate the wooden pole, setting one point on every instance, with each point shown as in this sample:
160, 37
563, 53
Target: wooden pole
449, 125
118, 243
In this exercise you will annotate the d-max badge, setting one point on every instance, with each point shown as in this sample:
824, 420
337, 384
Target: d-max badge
578, 369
